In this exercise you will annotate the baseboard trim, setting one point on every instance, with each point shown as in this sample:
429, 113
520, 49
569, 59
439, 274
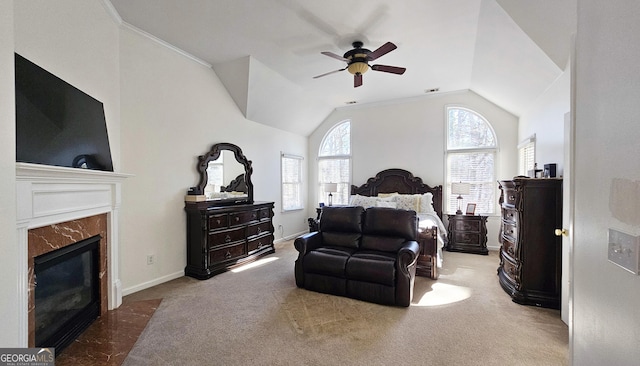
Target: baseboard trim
149, 284
289, 237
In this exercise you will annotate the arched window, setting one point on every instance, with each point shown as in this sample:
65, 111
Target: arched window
471, 156
334, 164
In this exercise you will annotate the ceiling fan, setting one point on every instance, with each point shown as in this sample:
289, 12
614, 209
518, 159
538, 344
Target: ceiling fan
358, 61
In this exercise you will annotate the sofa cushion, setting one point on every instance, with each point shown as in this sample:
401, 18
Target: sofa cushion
345, 219
345, 240
327, 261
382, 243
372, 266
382, 221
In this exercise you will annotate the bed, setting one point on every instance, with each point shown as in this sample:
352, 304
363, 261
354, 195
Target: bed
398, 188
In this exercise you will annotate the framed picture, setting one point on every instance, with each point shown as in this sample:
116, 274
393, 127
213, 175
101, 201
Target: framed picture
471, 209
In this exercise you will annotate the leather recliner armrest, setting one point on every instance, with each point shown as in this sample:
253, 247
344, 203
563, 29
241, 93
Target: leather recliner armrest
408, 254
307, 242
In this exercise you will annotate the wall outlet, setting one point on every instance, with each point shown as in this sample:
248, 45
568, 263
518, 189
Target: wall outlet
151, 259
624, 250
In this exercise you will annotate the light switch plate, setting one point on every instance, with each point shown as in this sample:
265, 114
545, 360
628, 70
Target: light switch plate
624, 250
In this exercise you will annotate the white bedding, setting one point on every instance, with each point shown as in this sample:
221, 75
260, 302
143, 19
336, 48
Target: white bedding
429, 220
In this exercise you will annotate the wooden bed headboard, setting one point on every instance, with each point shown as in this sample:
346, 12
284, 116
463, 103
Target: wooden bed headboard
401, 181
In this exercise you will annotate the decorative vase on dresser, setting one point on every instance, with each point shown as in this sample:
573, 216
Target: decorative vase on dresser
531, 254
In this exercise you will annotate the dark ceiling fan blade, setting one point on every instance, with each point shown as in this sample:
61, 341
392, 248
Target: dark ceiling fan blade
382, 50
331, 54
329, 73
357, 80
391, 69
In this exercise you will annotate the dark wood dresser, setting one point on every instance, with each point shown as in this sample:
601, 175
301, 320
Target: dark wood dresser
468, 234
220, 237
531, 254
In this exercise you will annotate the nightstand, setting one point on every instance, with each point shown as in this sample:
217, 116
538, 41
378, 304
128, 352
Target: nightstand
467, 233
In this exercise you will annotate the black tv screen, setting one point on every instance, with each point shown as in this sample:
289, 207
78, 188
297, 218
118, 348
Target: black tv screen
56, 123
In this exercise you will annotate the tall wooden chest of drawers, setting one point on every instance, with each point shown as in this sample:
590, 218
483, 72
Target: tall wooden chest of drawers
220, 237
531, 254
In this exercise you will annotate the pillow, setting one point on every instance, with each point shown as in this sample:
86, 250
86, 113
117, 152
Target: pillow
385, 203
387, 195
426, 203
364, 201
408, 201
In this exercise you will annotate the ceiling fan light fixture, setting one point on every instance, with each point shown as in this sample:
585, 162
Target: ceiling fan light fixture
358, 68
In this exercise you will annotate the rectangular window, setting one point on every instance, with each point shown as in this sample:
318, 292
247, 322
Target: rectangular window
334, 170
475, 168
526, 155
291, 166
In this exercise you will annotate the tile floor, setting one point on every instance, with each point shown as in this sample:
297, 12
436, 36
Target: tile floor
110, 338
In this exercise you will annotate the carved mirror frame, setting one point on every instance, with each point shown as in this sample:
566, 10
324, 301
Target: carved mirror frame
214, 154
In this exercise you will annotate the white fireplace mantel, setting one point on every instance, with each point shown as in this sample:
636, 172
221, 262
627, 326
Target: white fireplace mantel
47, 195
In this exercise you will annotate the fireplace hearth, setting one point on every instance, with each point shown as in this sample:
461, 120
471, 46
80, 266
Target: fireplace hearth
67, 292
57, 207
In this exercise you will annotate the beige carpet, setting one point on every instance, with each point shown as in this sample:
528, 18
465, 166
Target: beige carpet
259, 317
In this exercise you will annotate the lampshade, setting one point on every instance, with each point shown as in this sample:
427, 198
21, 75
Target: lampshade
358, 68
460, 188
330, 187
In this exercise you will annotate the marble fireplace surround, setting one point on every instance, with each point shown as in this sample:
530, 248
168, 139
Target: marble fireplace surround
51, 200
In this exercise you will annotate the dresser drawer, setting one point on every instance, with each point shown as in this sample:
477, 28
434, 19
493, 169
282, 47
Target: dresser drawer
510, 230
509, 247
510, 197
226, 236
467, 225
259, 243
226, 253
510, 215
240, 218
218, 221
510, 270
259, 229
265, 213
467, 238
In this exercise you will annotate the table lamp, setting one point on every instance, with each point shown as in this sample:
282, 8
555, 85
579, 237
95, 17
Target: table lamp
330, 188
460, 189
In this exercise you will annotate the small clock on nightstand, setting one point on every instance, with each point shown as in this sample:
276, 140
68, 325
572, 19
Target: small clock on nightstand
467, 233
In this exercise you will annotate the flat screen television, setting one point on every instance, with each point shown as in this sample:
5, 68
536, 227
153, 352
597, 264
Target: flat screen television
56, 123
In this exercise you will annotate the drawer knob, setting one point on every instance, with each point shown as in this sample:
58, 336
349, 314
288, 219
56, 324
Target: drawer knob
259, 230
237, 219
219, 221
259, 244
227, 238
227, 255
510, 250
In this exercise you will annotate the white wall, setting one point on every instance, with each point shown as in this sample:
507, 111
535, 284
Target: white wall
411, 135
78, 42
606, 313
9, 312
174, 109
545, 119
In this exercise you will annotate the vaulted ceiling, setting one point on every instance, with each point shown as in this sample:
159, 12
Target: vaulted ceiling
266, 52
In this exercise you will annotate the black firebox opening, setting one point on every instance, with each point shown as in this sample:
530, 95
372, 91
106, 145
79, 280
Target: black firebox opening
67, 293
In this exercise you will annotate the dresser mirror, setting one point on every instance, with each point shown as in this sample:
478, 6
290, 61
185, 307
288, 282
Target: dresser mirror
225, 175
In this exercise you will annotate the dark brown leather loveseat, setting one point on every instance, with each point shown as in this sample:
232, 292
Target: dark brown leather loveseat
363, 254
